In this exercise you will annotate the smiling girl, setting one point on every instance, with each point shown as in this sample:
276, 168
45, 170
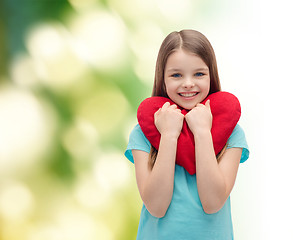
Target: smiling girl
177, 205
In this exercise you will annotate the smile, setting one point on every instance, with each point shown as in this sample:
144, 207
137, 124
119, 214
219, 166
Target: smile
190, 94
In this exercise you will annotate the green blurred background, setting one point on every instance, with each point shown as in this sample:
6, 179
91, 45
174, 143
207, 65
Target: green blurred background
72, 74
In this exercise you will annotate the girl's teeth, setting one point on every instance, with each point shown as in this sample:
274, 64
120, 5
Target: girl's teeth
187, 94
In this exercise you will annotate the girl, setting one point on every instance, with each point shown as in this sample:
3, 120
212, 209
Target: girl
177, 205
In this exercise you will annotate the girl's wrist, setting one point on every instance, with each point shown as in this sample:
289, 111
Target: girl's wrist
169, 137
200, 133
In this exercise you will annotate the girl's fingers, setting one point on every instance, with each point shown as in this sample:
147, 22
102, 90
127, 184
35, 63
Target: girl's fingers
168, 105
208, 104
178, 111
165, 106
173, 106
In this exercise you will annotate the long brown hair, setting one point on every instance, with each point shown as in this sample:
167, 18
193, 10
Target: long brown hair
190, 41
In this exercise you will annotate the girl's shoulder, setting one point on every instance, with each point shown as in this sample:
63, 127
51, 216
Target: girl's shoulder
137, 141
238, 140
137, 137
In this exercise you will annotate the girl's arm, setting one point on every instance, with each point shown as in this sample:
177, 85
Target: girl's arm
156, 185
215, 180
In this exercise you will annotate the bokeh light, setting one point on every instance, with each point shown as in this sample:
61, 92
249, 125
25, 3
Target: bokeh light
11, 207
26, 128
145, 44
50, 46
101, 36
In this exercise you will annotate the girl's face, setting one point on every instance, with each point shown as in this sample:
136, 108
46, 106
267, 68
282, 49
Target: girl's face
187, 79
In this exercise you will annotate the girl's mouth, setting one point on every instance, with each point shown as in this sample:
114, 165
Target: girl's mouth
188, 94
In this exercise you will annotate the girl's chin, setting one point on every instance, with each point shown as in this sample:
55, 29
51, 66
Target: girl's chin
189, 103
188, 106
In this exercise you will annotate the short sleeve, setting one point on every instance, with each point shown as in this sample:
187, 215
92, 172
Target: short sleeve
238, 140
137, 141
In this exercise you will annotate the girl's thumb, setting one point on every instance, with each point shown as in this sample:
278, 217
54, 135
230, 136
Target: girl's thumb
208, 104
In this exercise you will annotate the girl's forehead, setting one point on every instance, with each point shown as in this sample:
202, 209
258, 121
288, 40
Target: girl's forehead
183, 58
185, 51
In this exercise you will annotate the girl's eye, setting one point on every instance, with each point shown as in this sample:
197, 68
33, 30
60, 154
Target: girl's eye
199, 74
176, 75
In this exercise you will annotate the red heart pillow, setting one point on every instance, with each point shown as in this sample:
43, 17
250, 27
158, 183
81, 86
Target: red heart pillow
226, 112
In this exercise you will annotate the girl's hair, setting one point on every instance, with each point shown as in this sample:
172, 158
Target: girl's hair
191, 41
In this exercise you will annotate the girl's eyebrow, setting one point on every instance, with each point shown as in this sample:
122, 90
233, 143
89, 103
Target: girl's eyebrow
178, 69
202, 69
173, 70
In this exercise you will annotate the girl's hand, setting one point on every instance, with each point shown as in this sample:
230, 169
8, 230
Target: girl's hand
169, 120
200, 118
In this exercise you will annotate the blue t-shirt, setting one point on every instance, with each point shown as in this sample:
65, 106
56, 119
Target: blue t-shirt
185, 218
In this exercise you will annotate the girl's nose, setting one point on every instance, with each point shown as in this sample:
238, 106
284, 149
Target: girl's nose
188, 83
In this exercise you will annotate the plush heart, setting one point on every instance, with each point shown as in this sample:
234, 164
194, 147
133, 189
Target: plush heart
226, 112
